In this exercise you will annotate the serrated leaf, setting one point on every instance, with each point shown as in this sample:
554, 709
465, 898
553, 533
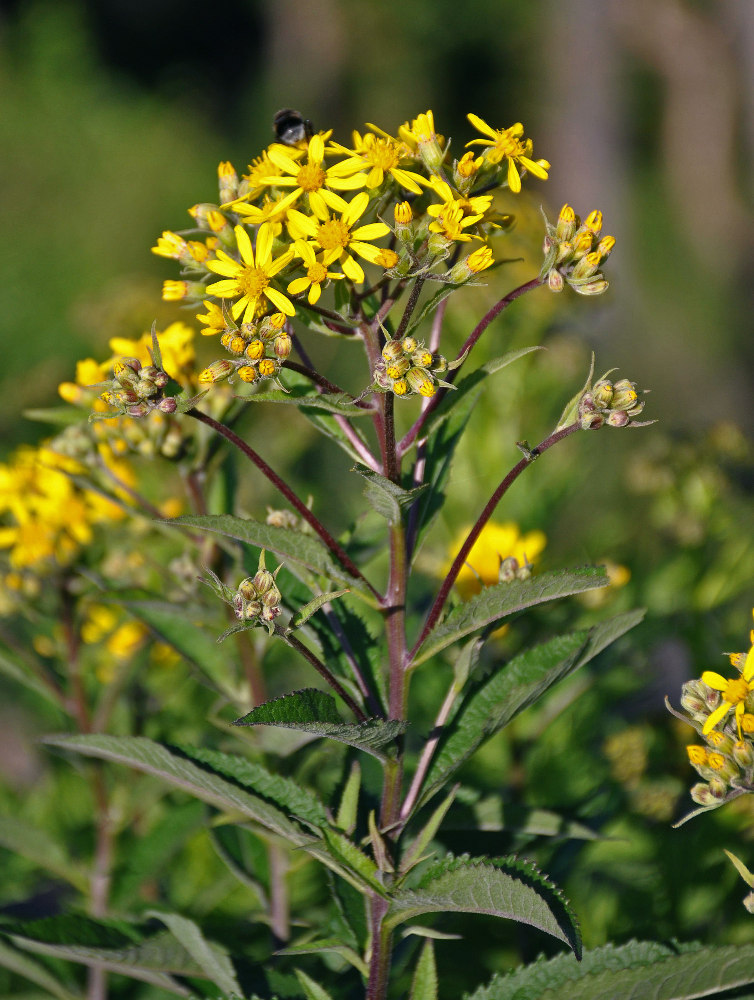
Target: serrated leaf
300, 395
313, 711
494, 702
176, 769
284, 792
38, 846
306, 550
385, 497
504, 599
642, 970
424, 985
312, 990
325, 946
148, 961
212, 959
501, 887
35, 972
304, 614
349, 856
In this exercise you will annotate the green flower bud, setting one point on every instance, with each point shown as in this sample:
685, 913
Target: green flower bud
247, 590
743, 754
262, 582
253, 609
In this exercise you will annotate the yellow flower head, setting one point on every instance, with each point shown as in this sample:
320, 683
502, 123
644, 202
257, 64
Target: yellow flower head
338, 239
248, 280
735, 692
508, 144
381, 155
316, 273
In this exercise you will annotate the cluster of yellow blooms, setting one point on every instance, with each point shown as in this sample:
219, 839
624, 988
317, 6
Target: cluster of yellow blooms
721, 709
282, 232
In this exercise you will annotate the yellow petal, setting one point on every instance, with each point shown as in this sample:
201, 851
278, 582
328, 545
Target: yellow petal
720, 712
244, 246
715, 680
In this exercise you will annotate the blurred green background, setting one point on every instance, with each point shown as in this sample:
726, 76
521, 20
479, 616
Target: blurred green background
114, 116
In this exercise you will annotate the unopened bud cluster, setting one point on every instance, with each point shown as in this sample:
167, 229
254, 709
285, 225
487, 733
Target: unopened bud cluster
408, 367
258, 350
613, 403
258, 598
136, 390
575, 252
511, 569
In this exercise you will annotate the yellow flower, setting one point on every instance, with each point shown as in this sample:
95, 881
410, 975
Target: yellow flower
316, 273
214, 319
379, 155
497, 541
248, 280
337, 237
735, 692
508, 144
313, 179
176, 346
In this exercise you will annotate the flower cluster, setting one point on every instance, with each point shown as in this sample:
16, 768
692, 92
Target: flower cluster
258, 598
613, 403
575, 252
311, 212
407, 367
721, 709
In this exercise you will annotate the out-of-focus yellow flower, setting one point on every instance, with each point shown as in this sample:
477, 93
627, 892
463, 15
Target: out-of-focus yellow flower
497, 541
737, 693
176, 345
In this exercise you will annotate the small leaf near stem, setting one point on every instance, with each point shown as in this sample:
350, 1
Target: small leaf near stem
460, 559
321, 669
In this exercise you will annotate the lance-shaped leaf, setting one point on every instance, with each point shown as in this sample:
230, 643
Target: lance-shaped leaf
29, 673
639, 969
324, 946
504, 599
62, 415
500, 887
284, 792
176, 769
349, 856
211, 958
20, 963
313, 711
424, 985
385, 497
306, 550
304, 614
312, 990
491, 705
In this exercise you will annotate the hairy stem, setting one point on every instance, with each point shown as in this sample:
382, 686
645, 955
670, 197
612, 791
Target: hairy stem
460, 559
381, 947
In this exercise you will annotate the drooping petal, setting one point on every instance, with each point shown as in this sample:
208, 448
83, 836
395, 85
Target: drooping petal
314, 293
514, 181
720, 712
352, 269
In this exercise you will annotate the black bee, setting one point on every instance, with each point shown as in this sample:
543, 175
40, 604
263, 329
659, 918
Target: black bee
291, 128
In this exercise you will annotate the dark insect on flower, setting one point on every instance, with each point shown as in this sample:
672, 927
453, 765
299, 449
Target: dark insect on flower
291, 128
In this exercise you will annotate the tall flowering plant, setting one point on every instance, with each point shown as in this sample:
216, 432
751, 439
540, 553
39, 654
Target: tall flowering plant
365, 242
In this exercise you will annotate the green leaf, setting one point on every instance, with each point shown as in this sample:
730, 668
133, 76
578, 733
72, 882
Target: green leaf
38, 846
424, 985
492, 814
349, 856
324, 946
500, 887
29, 674
152, 961
60, 415
312, 990
212, 959
385, 497
304, 614
491, 705
504, 599
303, 395
35, 972
284, 792
349, 800
180, 772
313, 711
741, 868
642, 970
428, 831
306, 550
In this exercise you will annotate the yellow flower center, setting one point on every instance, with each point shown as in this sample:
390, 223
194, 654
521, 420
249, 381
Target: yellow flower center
311, 177
736, 691
317, 273
252, 281
506, 145
382, 153
333, 234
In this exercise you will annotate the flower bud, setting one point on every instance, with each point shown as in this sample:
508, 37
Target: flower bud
439, 364
617, 418
596, 287
215, 372
253, 609
387, 258
420, 381
272, 598
235, 344
138, 409
702, 795
593, 221
268, 367
723, 766
555, 281
566, 225
262, 581
398, 368
248, 373
400, 387
422, 358
393, 349
283, 346
743, 754
247, 590
254, 350
227, 182
409, 344
719, 741
167, 405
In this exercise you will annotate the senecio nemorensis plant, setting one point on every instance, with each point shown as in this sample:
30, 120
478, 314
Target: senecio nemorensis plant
368, 243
